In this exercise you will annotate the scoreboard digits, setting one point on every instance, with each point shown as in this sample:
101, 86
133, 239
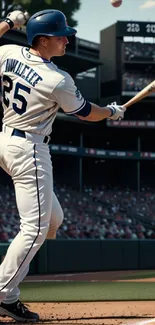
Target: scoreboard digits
150, 28
133, 28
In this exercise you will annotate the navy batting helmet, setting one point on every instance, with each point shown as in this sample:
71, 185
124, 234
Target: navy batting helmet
48, 22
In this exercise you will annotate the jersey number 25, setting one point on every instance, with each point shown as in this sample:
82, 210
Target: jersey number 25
17, 95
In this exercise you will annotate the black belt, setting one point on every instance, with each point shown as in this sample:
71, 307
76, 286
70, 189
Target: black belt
20, 133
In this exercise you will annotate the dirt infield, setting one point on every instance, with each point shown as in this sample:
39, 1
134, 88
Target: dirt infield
96, 313
91, 276
93, 313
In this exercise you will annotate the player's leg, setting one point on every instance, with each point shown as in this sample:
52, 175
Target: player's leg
33, 180
55, 223
14, 294
56, 218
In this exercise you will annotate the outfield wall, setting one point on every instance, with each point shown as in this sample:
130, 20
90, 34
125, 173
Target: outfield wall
64, 256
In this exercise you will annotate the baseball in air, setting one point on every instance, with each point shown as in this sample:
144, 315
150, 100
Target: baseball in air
116, 3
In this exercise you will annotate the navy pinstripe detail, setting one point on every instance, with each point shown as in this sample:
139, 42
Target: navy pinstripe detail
83, 110
37, 186
77, 109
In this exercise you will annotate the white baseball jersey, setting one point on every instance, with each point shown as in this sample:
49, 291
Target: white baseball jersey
34, 89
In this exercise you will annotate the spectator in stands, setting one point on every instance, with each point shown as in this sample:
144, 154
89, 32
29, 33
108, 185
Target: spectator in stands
97, 214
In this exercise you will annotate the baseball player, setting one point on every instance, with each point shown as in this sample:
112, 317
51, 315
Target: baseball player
33, 90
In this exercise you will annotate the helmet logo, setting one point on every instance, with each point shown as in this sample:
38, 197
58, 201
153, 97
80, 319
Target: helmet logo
78, 95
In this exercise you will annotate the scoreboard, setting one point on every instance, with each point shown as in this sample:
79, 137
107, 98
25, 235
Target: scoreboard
135, 28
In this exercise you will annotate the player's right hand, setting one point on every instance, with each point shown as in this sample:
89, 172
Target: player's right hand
17, 18
117, 111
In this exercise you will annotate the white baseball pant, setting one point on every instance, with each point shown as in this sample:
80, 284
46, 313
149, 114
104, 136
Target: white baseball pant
30, 167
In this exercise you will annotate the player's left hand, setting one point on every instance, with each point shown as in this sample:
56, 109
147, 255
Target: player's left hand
117, 111
17, 18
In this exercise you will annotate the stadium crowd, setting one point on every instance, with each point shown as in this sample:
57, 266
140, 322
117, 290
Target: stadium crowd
137, 51
135, 80
99, 213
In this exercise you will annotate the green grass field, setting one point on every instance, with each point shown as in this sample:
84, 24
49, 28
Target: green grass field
140, 275
87, 291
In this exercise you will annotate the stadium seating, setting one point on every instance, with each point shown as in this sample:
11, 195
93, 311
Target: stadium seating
97, 213
137, 51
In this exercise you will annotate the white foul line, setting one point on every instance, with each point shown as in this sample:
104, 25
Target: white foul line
143, 322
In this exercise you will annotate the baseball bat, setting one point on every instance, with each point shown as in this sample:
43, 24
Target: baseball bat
142, 94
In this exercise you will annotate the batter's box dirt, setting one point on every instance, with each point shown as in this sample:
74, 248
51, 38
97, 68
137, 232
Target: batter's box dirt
94, 313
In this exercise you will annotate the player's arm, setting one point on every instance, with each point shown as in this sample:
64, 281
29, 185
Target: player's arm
72, 102
98, 113
4, 27
14, 19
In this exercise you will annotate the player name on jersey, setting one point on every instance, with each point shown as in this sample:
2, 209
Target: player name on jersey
23, 70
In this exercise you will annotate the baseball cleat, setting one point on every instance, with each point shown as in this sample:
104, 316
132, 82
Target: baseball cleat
18, 311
